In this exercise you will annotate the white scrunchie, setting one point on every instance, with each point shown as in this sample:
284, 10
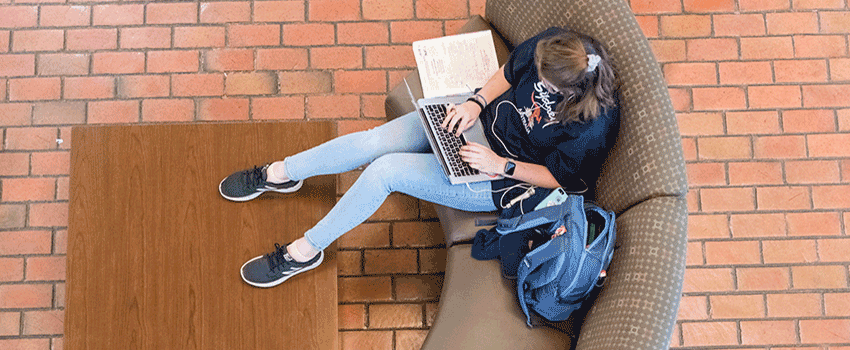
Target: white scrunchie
593, 62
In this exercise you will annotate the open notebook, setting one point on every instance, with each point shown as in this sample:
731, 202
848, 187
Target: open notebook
448, 66
455, 64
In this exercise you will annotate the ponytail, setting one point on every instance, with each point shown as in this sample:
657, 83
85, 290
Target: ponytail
582, 70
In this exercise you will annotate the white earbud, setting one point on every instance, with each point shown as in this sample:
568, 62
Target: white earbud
525, 195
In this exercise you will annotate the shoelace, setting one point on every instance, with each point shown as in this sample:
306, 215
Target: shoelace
276, 258
254, 177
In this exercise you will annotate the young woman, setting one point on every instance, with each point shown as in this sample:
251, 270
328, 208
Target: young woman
551, 116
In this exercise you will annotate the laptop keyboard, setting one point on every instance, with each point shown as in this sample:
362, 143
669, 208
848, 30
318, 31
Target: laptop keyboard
449, 143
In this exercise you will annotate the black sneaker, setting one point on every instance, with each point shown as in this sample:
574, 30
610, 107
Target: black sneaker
249, 184
276, 267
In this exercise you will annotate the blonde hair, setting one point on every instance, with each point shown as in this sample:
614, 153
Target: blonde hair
562, 60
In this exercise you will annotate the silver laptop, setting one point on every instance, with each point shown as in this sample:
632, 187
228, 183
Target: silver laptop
432, 112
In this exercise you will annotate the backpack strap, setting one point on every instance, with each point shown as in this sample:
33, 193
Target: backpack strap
548, 273
573, 204
543, 254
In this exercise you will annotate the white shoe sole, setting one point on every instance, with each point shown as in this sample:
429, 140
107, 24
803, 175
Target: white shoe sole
257, 194
281, 280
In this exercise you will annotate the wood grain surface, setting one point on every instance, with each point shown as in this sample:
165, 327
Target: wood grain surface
154, 251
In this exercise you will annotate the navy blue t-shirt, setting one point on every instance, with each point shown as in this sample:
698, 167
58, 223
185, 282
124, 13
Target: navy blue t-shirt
523, 119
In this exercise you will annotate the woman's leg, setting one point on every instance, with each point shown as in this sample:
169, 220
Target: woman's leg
416, 174
347, 152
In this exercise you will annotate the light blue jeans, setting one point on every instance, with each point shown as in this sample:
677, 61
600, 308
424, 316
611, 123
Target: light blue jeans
401, 161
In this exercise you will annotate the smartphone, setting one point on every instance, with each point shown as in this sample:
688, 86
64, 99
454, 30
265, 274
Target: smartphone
557, 196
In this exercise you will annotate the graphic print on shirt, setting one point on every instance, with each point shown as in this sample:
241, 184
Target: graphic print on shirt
540, 101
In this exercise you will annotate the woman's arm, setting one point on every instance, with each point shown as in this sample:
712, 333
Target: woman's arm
496, 86
535, 174
485, 160
463, 115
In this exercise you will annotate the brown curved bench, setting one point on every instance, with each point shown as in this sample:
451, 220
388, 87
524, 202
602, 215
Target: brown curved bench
643, 181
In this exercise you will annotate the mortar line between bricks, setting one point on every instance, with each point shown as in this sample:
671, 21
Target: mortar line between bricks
27, 209
820, 292
770, 211
739, 332
765, 306
763, 318
680, 335
402, 274
704, 256
407, 248
382, 329
363, 263
847, 275
770, 239
797, 331
418, 262
32, 282
424, 319
39, 201
802, 184
771, 265
393, 292
367, 315
24, 256
22, 310
742, 346
27, 337
384, 302
822, 305
390, 233
389, 329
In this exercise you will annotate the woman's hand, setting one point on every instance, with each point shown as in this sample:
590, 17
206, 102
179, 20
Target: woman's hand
482, 159
461, 116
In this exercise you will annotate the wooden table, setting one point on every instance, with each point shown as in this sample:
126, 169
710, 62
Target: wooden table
154, 251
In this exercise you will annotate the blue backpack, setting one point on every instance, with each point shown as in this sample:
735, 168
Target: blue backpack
555, 278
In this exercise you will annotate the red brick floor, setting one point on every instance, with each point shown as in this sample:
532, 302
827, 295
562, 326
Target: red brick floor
761, 88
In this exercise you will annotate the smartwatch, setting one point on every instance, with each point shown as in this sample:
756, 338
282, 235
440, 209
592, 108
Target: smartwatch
510, 166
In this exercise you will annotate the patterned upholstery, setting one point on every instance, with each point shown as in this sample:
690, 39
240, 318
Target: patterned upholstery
643, 179
638, 305
648, 161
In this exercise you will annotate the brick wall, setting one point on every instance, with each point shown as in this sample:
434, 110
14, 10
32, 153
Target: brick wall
760, 88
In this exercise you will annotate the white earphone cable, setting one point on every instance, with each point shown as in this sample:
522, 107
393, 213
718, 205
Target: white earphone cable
493, 125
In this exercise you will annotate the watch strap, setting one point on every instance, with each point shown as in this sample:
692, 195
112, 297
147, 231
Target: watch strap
510, 167
473, 99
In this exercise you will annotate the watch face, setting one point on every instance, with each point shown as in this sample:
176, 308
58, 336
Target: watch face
509, 168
